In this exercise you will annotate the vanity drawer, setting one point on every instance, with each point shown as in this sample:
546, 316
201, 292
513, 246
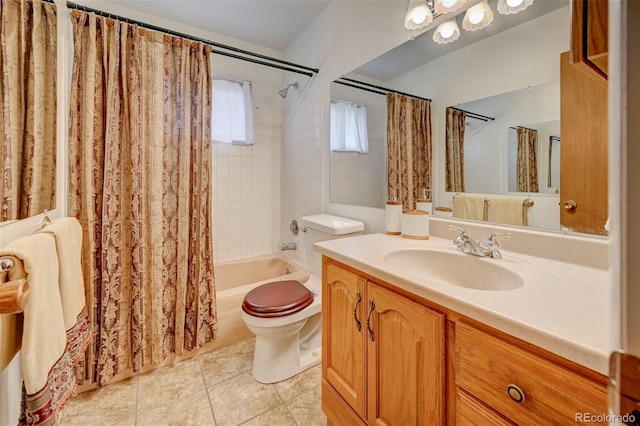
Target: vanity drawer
471, 412
489, 367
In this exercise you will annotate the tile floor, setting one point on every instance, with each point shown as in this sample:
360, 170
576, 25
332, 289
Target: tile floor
211, 389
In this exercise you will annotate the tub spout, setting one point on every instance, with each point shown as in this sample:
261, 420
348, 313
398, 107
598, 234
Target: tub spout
288, 246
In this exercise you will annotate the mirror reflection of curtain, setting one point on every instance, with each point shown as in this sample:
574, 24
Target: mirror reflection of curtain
454, 148
140, 185
28, 30
408, 147
527, 160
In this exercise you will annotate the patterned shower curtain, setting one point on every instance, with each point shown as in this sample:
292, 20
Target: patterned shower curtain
454, 149
28, 48
140, 186
408, 148
527, 167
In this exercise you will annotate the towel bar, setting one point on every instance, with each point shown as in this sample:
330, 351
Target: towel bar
15, 293
528, 202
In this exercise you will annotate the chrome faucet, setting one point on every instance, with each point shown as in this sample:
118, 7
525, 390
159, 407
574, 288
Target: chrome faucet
288, 246
489, 248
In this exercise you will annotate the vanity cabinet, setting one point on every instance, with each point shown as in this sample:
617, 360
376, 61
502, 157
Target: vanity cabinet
384, 356
520, 385
393, 359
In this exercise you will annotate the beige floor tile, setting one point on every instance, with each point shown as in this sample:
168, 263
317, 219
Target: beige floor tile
227, 362
190, 410
306, 409
279, 416
159, 387
300, 383
240, 399
107, 405
131, 421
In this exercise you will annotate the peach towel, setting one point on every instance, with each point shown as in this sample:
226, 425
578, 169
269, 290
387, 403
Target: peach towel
67, 233
469, 207
510, 211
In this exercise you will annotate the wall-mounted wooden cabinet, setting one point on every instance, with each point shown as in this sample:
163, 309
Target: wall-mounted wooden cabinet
386, 362
589, 36
583, 149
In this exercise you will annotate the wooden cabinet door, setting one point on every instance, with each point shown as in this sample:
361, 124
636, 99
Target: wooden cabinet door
583, 150
343, 342
589, 36
405, 360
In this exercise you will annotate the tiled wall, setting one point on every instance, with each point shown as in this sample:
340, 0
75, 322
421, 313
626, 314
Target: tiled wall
302, 168
246, 195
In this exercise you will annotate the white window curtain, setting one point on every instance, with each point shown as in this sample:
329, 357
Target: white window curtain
348, 127
232, 112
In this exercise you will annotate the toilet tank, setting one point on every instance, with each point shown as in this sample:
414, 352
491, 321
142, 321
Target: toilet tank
324, 227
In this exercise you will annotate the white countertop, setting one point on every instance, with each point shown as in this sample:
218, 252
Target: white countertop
562, 307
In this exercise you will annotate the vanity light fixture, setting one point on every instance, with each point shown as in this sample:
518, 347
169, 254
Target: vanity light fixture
419, 15
509, 7
477, 17
446, 32
448, 6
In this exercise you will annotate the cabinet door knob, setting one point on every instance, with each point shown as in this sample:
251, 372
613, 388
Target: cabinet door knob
355, 311
515, 393
570, 205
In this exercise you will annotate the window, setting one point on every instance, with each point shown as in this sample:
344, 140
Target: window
348, 127
232, 111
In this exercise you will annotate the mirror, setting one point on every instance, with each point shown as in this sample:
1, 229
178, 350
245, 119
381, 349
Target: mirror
356, 177
491, 139
516, 56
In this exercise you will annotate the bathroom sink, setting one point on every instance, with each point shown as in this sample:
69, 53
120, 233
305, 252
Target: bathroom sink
452, 267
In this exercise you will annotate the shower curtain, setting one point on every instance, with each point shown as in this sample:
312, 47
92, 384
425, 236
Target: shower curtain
454, 150
408, 147
140, 186
527, 160
28, 48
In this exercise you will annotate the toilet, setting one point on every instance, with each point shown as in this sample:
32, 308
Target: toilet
286, 315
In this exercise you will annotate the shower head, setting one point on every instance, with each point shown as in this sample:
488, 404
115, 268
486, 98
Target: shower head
284, 91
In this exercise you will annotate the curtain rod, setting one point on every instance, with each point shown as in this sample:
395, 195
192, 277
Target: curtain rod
309, 71
474, 115
383, 89
522, 127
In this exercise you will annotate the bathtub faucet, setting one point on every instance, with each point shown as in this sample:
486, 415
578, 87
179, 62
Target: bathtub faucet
288, 246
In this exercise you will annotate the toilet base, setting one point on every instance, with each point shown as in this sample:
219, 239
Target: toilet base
275, 360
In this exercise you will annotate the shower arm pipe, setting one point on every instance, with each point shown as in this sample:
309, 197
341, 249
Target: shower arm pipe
285, 65
373, 86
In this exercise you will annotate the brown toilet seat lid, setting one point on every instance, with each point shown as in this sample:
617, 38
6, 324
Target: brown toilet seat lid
277, 299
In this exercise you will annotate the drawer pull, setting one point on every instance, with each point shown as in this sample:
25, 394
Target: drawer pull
372, 305
355, 311
515, 393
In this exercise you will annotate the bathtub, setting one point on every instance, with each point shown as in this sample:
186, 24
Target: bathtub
235, 278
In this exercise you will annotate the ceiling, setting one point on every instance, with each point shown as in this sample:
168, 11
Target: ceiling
423, 49
276, 23
270, 23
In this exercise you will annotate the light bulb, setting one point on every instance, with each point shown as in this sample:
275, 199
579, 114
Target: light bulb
449, 3
476, 17
447, 31
514, 3
419, 14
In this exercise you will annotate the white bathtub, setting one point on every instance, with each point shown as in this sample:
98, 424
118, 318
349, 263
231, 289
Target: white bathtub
235, 278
